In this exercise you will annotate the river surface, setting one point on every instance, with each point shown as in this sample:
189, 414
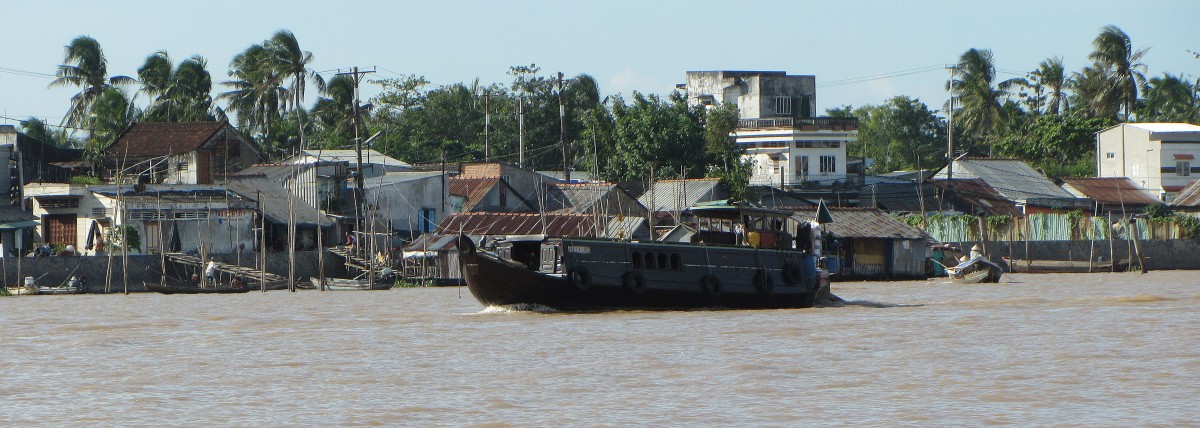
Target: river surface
1075, 349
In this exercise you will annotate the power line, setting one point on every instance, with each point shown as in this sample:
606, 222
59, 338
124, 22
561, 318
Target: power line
889, 75
26, 73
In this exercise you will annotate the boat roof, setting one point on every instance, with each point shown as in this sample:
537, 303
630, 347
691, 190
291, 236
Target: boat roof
731, 209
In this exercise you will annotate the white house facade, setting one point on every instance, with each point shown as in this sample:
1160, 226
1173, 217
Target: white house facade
787, 145
1160, 157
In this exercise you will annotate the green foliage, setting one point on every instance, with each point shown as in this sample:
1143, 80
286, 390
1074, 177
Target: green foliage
84, 180
998, 222
1158, 211
901, 134
118, 236
1189, 225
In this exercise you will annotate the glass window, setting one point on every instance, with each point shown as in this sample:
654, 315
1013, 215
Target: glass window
1183, 168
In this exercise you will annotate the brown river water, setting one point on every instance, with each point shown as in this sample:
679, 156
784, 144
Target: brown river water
1073, 349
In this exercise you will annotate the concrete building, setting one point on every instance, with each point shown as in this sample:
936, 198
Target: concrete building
1159, 157
788, 144
179, 217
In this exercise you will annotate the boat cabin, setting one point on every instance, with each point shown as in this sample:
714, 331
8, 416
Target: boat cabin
743, 226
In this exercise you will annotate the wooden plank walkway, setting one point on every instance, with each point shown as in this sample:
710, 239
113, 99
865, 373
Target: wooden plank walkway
248, 274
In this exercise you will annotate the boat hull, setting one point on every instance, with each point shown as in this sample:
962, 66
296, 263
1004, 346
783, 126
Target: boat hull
23, 290
338, 284
178, 289
611, 283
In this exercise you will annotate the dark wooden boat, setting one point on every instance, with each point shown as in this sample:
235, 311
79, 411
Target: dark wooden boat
715, 270
1065, 266
187, 289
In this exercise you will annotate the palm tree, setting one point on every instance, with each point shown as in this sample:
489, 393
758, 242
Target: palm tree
1052, 76
1114, 52
179, 94
85, 66
978, 98
111, 113
1171, 99
45, 134
292, 63
334, 113
1093, 93
257, 94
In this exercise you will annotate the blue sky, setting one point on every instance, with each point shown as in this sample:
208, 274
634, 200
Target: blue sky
862, 52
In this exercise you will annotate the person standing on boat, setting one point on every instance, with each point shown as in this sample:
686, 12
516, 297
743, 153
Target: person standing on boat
211, 271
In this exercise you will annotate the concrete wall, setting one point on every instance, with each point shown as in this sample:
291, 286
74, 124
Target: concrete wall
145, 268
1159, 254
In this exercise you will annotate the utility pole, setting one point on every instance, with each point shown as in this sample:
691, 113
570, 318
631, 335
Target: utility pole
950, 134
562, 129
487, 123
521, 134
358, 208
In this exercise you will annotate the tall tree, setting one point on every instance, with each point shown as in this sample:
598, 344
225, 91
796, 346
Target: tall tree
334, 113
1093, 94
978, 98
46, 134
84, 66
111, 113
177, 93
1171, 99
1113, 51
257, 94
293, 63
901, 134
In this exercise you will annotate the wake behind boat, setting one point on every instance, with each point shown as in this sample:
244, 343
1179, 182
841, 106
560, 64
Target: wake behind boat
741, 257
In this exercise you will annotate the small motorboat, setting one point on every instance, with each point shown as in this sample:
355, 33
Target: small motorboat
976, 270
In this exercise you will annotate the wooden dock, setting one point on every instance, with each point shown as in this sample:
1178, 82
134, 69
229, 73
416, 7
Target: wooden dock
250, 275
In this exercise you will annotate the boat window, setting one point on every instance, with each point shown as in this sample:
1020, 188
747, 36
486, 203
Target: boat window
675, 263
649, 261
662, 261
637, 259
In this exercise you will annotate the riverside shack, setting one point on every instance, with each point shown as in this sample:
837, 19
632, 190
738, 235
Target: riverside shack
866, 243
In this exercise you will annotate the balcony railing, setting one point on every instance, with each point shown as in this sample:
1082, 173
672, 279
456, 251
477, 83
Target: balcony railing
806, 124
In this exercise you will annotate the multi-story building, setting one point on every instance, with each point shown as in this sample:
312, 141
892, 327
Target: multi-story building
1160, 157
788, 145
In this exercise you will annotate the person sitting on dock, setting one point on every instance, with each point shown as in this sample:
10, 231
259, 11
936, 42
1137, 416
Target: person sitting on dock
237, 282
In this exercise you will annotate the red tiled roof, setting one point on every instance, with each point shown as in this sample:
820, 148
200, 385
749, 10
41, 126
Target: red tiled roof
1111, 190
158, 139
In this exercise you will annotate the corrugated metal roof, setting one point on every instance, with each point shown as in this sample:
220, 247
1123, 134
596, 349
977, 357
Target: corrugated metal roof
676, 195
519, 224
473, 189
433, 242
12, 214
862, 223
390, 178
368, 156
1189, 196
1012, 178
977, 193
1109, 190
273, 199
626, 228
903, 196
577, 197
